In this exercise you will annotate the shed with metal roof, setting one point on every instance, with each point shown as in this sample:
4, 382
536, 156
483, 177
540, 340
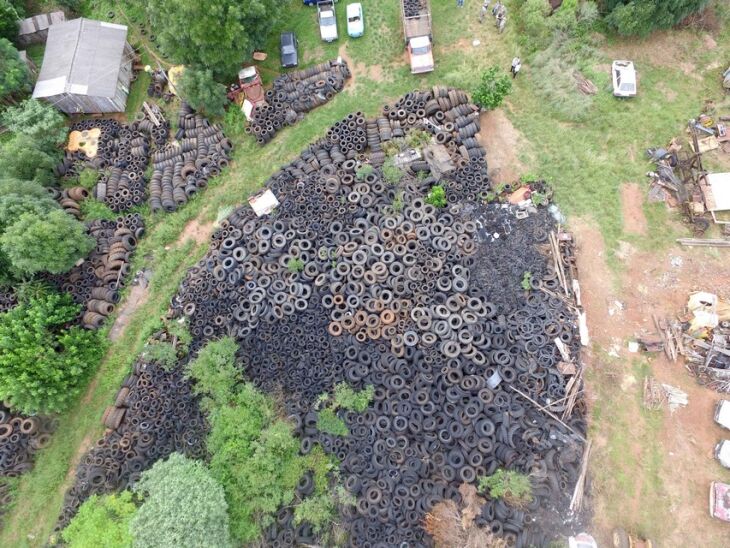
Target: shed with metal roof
87, 67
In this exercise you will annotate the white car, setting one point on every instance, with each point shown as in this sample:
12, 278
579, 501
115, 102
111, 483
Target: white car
623, 75
355, 23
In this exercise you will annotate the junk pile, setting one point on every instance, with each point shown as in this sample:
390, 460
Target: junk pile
95, 283
20, 438
294, 93
371, 284
155, 414
712, 133
183, 167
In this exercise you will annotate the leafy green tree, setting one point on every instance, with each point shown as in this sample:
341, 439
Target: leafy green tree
202, 92
12, 206
217, 35
39, 121
45, 244
183, 507
215, 370
20, 158
102, 522
14, 75
494, 86
640, 17
42, 363
8, 20
22, 188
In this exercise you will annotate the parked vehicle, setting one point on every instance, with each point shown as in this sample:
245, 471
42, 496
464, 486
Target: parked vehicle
355, 21
288, 48
720, 500
417, 32
309, 2
623, 76
722, 453
722, 413
252, 88
327, 20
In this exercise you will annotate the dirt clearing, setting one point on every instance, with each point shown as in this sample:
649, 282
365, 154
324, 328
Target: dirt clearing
502, 143
196, 231
632, 201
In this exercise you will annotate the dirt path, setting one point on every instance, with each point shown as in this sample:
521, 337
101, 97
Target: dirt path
632, 202
502, 143
137, 297
659, 464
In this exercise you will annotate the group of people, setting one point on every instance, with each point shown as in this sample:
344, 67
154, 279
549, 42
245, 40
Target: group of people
499, 11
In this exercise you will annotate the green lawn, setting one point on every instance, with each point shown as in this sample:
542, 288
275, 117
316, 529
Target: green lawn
587, 162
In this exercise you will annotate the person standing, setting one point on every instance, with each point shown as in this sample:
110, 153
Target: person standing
498, 6
501, 22
516, 66
483, 11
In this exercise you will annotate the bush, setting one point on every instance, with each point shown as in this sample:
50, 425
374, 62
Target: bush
42, 123
347, 398
92, 208
515, 488
45, 244
43, 365
494, 86
391, 172
21, 159
330, 423
14, 76
204, 94
363, 170
641, 17
168, 352
215, 372
88, 178
294, 265
318, 511
8, 21
102, 522
437, 196
183, 506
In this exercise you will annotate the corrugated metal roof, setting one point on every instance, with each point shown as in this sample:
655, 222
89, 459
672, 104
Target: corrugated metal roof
39, 22
83, 57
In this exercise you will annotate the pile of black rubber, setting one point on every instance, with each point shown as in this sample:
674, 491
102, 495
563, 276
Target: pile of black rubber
8, 300
419, 302
20, 438
162, 417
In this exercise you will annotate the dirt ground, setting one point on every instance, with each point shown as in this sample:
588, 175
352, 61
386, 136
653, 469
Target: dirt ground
619, 306
199, 233
501, 141
137, 297
632, 197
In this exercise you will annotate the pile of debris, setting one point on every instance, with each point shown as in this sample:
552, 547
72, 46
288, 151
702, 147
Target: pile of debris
295, 93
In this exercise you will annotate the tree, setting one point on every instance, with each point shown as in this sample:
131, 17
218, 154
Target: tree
102, 522
39, 121
494, 86
8, 20
183, 506
45, 244
42, 363
217, 35
20, 158
640, 17
22, 188
12, 206
204, 94
215, 372
14, 75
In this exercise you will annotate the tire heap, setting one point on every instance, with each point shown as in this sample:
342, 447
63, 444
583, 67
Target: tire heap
8, 300
413, 7
95, 282
70, 199
20, 438
295, 93
183, 168
409, 300
159, 416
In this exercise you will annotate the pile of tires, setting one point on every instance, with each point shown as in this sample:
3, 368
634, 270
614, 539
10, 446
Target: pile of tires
294, 93
8, 300
182, 168
20, 438
155, 414
426, 304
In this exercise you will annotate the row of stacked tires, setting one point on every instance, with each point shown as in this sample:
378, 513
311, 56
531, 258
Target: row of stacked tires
20, 438
294, 93
183, 168
412, 8
96, 282
409, 299
155, 414
70, 199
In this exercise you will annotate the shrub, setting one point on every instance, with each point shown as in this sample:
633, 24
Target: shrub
437, 196
183, 506
92, 208
318, 511
14, 76
515, 488
88, 178
494, 86
330, 423
640, 17
294, 265
8, 20
42, 363
45, 244
21, 159
417, 138
533, 15
398, 202
102, 522
168, 352
391, 172
214, 370
204, 94
363, 170
39, 121
347, 398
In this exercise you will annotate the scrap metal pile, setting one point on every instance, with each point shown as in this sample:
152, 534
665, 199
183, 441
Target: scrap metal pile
155, 414
95, 282
371, 285
294, 93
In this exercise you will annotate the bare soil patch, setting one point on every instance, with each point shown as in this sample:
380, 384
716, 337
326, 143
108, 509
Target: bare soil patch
194, 230
360, 70
137, 297
632, 200
502, 143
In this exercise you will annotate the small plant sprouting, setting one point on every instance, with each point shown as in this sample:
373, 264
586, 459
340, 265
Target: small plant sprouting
398, 202
538, 198
391, 172
363, 170
294, 265
526, 281
437, 196
330, 423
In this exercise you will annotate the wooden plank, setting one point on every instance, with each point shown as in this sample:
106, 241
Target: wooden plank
576, 501
701, 242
